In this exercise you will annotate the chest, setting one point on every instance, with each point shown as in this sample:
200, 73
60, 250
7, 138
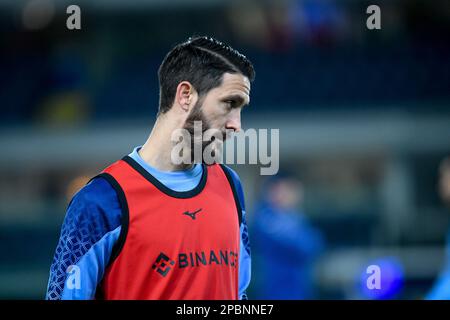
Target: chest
208, 221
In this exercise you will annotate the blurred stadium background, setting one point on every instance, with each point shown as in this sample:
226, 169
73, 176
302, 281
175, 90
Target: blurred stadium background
364, 119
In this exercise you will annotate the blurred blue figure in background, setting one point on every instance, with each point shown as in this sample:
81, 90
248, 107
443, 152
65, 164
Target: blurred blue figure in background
441, 289
286, 243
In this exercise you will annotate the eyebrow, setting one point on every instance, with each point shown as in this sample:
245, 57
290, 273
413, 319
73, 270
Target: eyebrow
236, 97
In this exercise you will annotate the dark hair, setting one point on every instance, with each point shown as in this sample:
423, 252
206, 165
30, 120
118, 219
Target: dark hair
202, 61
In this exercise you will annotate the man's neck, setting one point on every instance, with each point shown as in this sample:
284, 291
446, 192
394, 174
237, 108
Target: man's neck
158, 148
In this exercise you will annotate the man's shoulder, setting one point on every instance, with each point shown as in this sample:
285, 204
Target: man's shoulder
232, 174
235, 182
97, 193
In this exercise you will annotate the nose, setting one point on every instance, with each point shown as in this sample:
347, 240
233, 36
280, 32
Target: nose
234, 121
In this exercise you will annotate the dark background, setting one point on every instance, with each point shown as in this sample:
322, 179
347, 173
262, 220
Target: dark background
364, 119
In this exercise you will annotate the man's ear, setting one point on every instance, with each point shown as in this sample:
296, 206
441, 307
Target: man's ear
185, 95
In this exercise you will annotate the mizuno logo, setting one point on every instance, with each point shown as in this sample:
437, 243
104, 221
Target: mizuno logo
192, 214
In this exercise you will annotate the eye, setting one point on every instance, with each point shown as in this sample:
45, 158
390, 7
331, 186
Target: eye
231, 103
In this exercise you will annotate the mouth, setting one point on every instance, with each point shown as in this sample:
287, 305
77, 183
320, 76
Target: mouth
227, 134
224, 136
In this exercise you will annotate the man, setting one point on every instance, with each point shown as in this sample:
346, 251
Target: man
441, 289
147, 228
286, 243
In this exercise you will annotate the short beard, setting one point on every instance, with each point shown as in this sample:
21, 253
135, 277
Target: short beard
197, 115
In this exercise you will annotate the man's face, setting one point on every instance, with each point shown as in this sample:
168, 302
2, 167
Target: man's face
220, 109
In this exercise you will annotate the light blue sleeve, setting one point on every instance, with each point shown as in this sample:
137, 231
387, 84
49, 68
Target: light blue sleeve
84, 277
245, 260
90, 230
